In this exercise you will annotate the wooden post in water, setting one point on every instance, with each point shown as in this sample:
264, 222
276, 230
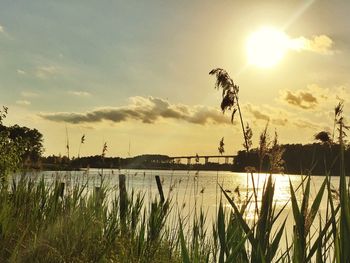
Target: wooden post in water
61, 190
97, 194
160, 189
122, 197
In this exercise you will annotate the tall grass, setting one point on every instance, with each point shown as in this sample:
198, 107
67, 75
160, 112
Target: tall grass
40, 223
54, 223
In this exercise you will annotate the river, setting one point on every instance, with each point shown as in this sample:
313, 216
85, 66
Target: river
191, 190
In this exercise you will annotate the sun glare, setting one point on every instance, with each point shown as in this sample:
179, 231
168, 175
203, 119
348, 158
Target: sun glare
266, 47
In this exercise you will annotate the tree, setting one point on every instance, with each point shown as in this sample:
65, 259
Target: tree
29, 140
323, 136
10, 151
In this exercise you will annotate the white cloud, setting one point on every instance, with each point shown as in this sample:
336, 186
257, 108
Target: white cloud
29, 94
79, 93
23, 102
2, 30
321, 44
21, 72
45, 72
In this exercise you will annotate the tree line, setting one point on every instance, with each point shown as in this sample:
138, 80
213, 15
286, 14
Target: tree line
23, 147
315, 159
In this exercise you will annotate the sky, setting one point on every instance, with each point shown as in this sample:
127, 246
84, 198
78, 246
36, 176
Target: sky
134, 74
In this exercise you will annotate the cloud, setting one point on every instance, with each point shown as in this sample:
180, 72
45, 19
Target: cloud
23, 102
301, 99
146, 110
321, 44
79, 93
273, 115
314, 97
280, 117
29, 94
21, 72
257, 114
45, 72
2, 30
302, 123
280, 121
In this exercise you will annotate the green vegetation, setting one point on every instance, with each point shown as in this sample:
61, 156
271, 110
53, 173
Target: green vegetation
45, 224
57, 223
41, 223
19, 147
11, 151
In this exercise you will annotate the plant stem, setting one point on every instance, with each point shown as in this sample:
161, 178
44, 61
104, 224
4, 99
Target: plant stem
242, 123
335, 121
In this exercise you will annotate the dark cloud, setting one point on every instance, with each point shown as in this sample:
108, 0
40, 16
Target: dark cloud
257, 113
274, 116
280, 121
146, 110
301, 99
280, 117
301, 123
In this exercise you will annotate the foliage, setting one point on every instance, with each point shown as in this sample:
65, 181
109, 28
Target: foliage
297, 159
18, 145
248, 135
10, 149
323, 136
221, 147
275, 154
54, 224
31, 141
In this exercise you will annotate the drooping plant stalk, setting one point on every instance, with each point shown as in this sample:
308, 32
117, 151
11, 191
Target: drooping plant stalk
229, 97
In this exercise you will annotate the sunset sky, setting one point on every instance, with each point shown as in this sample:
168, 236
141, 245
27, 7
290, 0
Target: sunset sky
137, 71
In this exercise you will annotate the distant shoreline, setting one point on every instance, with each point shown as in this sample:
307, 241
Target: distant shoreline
184, 170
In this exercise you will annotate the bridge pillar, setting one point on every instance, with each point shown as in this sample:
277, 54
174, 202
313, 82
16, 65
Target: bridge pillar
188, 160
226, 160
206, 159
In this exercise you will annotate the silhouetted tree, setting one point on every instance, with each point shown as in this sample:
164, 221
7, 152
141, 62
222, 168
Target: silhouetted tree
316, 159
10, 151
30, 141
323, 136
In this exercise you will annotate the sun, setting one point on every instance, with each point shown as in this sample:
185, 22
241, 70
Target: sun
266, 47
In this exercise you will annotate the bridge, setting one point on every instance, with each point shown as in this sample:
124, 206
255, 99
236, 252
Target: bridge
206, 158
